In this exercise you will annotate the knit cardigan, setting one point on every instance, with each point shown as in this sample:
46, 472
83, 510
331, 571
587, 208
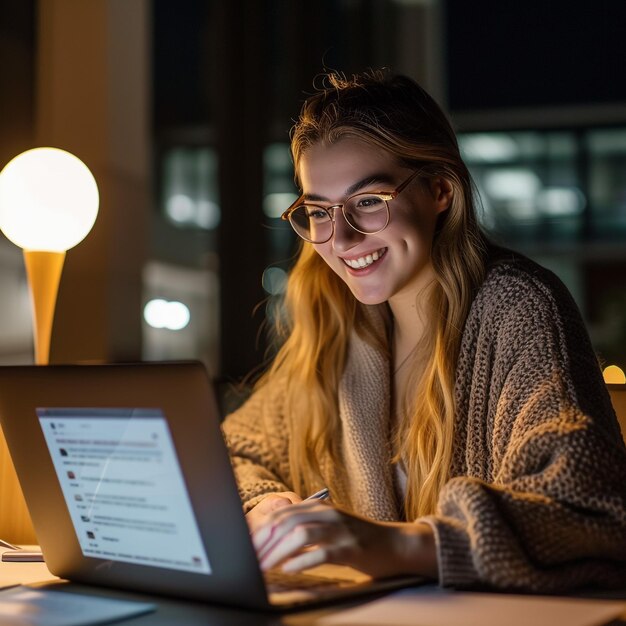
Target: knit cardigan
536, 498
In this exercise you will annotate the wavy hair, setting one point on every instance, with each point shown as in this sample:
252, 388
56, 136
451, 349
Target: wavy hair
392, 113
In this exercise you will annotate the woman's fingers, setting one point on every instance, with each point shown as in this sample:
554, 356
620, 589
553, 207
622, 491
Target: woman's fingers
279, 522
309, 534
303, 539
292, 531
290, 544
306, 560
262, 512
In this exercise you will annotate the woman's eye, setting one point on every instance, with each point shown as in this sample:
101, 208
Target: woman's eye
317, 214
369, 203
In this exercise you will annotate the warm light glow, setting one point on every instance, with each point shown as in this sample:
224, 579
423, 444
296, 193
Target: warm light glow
48, 200
614, 375
160, 313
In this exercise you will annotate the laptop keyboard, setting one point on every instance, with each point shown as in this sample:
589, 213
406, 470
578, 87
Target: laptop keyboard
291, 581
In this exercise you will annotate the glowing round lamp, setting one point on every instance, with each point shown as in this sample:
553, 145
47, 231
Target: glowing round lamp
48, 204
614, 375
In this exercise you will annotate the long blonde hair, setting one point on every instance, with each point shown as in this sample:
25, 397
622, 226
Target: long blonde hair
397, 115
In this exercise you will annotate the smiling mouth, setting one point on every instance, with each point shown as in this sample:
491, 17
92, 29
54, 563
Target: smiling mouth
365, 261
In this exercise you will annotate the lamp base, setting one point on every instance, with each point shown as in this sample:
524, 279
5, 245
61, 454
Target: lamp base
44, 274
15, 524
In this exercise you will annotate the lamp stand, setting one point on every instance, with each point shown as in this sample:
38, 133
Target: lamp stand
44, 274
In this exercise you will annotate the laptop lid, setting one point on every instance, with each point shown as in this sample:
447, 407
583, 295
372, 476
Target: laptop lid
128, 481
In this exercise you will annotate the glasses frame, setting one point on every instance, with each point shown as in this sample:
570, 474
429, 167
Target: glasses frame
386, 196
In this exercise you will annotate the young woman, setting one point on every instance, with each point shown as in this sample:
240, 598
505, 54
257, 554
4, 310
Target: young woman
444, 390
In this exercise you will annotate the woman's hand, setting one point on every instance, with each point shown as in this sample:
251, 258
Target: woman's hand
312, 533
261, 513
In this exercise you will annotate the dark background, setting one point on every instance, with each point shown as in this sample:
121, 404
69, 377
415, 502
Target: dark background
231, 75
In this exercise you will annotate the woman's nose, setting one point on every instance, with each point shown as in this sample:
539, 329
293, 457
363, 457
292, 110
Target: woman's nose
344, 237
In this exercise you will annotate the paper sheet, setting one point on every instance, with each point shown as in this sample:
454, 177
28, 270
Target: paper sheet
441, 608
25, 606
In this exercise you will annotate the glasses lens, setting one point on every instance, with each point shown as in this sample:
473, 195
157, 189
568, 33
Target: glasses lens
367, 213
312, 223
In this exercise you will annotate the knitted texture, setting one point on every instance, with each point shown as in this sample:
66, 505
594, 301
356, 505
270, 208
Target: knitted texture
536, 498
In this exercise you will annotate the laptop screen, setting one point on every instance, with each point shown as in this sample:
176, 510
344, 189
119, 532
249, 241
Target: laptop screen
124, 487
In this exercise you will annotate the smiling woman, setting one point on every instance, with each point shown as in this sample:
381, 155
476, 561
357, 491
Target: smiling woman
401, 245
444, 389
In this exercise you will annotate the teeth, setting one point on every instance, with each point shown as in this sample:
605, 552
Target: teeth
364, 261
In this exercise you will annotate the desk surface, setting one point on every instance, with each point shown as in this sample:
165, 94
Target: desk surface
171, 611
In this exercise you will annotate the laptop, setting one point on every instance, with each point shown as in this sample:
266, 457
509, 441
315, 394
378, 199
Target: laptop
128, 483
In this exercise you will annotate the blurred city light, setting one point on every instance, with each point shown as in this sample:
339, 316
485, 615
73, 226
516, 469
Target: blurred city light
172, 315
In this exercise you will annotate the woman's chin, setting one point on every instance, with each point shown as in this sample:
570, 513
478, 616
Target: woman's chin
368, 297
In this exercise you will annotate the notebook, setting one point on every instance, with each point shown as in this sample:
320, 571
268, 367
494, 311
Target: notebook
128, 482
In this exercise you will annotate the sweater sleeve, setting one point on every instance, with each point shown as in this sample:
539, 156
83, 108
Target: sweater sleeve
258, 445
549, 513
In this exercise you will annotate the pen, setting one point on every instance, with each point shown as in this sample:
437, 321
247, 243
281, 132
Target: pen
322, 494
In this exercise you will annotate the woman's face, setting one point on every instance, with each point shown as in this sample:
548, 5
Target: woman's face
396, 260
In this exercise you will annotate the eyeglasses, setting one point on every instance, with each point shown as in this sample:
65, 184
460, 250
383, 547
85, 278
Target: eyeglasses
366, 212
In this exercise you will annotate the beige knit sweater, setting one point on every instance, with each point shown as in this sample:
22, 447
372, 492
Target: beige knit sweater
537, 494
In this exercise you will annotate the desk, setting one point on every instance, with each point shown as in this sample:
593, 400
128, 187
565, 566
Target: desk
171, 611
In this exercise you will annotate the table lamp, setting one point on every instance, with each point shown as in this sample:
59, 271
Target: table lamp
614, 375
48, 204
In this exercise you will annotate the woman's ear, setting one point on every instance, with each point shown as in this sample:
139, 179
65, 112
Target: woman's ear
442, 192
